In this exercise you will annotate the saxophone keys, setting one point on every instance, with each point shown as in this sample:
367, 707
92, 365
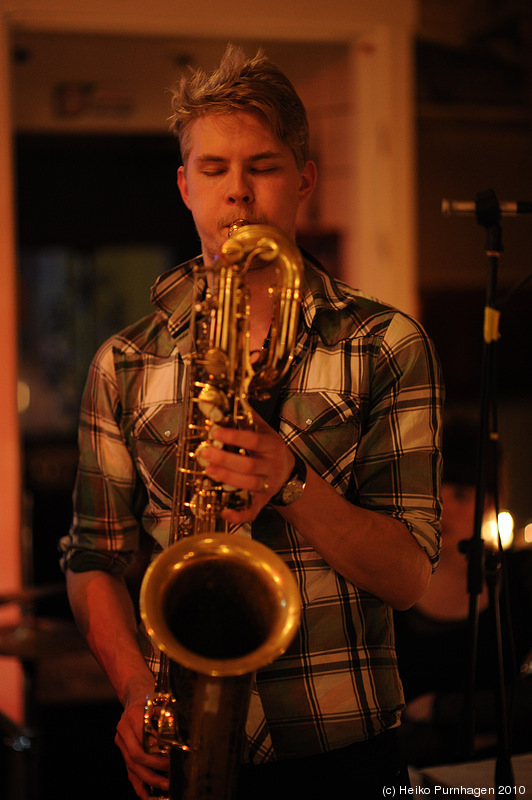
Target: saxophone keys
213, 404
161, 731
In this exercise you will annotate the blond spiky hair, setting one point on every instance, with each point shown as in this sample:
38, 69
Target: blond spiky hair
242, 84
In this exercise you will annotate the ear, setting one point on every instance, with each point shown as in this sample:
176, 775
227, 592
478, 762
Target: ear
183, 186
307, 180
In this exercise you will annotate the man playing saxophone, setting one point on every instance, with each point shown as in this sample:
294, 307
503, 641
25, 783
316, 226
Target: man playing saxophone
344, 475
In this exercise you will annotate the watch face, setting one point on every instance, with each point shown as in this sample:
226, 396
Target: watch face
293, 488
292, 491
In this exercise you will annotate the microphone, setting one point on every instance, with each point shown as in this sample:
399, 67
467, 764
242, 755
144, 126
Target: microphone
466, 208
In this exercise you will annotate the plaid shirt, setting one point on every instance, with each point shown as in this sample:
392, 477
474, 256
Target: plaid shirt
361, 405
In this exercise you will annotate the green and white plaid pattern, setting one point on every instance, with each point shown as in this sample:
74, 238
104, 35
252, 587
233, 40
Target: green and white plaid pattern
362, 405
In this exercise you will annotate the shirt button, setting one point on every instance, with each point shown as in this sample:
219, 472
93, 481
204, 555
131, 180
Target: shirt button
308, 422
167, 434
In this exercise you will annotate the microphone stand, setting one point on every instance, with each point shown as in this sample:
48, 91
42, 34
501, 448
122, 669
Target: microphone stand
481, 566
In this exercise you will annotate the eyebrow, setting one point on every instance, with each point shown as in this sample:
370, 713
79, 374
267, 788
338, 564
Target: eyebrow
214, 159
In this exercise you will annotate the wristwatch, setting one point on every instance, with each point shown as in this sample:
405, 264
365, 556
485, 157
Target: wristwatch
294, 486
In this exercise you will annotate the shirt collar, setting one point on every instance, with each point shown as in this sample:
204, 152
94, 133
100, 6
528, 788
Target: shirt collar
326, 306
322, 297
174, 293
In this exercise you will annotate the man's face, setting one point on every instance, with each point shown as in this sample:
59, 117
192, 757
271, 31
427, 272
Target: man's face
238, 169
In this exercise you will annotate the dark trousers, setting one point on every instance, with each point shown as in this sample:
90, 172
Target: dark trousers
362, 771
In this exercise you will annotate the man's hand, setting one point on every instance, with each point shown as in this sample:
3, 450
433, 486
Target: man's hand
104, 612
262, 468
143, 770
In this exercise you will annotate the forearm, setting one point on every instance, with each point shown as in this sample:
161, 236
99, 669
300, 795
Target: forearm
374, 551
104, 613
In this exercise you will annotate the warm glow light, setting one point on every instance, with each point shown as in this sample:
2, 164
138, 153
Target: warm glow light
527, 533
506, 530
23, 396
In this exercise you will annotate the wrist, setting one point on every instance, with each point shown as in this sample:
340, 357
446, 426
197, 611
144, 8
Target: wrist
293, 487
137, 689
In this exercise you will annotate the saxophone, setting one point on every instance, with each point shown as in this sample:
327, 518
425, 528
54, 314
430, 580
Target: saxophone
219, 606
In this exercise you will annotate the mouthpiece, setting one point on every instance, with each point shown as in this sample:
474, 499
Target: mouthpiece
236, 225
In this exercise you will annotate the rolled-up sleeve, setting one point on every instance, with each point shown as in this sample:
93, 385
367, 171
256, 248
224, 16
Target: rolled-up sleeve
108, 496
398, 464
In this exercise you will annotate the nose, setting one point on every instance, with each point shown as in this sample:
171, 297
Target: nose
239, 190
